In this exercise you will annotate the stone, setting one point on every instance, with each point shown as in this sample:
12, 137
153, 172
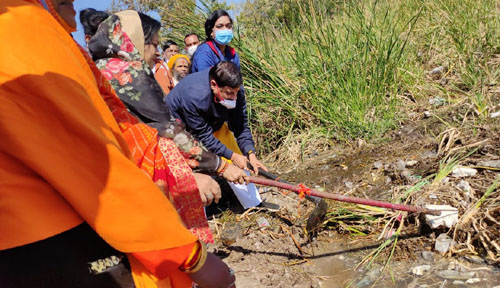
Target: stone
400, 165
461, 172
473, 280
411, 163
427, 114
427, 255
437, 70
455, 275
349, 184
490, 163
443, 82
464, 186
474, 259
262, 222
420, 270
458, 282
378, 165
448, 217
443, 243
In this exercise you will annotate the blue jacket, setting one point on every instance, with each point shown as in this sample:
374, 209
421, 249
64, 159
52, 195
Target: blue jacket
193, 102
205, 57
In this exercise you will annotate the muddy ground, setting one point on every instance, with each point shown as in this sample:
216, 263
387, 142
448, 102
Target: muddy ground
269, 247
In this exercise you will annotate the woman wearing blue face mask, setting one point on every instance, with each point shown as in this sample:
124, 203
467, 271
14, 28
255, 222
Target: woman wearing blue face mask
219, 31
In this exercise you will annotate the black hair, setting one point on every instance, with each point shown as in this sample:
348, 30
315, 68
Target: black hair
226, 73
150, 27
190, 34
90, 19
210, 23
168, 44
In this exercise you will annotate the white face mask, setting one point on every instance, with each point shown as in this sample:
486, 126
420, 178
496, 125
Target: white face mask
229, 104
191, 50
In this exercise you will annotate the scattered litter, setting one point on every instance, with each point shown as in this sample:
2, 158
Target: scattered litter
420, 270
443, 243
448, 217
437, 101
463, 172
495, 114
455, 275
262, 222
490, 163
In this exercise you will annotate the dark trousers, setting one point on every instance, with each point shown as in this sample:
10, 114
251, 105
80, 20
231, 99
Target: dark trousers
75, 258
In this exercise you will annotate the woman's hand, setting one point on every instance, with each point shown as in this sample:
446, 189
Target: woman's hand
208, 187
214, 274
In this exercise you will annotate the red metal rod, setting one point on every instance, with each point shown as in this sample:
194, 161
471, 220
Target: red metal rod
342, 198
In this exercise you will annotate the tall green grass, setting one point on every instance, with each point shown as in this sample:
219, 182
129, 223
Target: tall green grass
334, 67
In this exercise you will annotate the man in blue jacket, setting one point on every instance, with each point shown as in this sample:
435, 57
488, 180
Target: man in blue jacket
205, 101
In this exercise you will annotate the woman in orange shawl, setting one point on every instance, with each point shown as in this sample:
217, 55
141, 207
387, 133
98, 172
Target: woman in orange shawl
66, 174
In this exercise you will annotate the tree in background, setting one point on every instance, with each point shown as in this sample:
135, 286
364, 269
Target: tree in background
178, 17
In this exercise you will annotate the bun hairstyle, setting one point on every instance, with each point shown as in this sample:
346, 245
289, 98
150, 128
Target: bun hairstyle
210, 23
90, 19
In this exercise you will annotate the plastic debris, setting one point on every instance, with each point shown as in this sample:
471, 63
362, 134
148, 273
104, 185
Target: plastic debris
443, 243
463, 172
262, 222
448, 217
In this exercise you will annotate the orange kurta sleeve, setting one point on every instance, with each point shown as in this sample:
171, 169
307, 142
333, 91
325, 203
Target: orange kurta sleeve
62, 157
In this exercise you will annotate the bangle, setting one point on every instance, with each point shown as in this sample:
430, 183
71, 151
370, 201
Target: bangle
223, 167
196, 259
250, 152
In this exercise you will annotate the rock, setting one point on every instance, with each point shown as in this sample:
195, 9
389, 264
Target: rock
495, 114
437, 70
490, 163
427, 114
433, 196
388, 180
258, 245
463, 172
443, 243
428, 155
455, 275
378, 165
363, 282
420, 270
408, 176
458, 282
474, 259
341, 257
443, 82
427, 255
447, 218
411, 163
437, 101
464, 186
349, 184
400, 165
473, 280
